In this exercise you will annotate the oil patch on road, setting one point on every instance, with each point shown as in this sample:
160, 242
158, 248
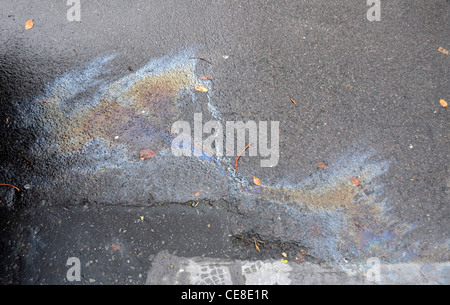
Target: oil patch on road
90, 130
135, 111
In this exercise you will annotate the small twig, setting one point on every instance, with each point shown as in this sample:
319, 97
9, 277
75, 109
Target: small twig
75, 52
44, 101
10, 186
256, 245
201, 58
237, 159
29, 161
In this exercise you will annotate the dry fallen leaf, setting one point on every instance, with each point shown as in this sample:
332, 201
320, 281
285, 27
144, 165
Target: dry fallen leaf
442, 50
355, 181
29, 24
207, 77
115, 247
299, 259
256, 181
201, 89
147, 154
444, 103
198, 193
321, 165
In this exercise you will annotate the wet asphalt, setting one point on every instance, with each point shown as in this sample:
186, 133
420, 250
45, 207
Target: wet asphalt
367, 104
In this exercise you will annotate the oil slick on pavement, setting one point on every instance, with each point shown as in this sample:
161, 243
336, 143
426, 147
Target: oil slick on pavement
95, 128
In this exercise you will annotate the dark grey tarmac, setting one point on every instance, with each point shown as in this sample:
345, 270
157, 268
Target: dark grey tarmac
367, 105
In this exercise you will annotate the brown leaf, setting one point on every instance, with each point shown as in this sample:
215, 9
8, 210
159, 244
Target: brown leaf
147, 154
442, 50
207, 77
443, 103
355, 181
201, 89
198, 193
29, 24
321, 165
256, 181
299, 259
115, 247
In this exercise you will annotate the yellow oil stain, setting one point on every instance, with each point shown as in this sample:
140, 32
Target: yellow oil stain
332, 194
158, 93
326, 198
150, 101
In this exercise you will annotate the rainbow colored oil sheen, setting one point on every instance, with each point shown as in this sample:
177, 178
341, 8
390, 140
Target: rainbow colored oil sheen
83, 108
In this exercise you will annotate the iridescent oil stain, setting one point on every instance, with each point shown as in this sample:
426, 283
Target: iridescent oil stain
357, 213
326, 198
140, 117
331, 190
114, 120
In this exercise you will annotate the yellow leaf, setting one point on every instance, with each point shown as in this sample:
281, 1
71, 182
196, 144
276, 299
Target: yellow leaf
201, 89
256, 181
442, 50
29, 24
256, 245
444, 103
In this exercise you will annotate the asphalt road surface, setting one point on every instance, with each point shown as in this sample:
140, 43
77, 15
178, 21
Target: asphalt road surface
358, 166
